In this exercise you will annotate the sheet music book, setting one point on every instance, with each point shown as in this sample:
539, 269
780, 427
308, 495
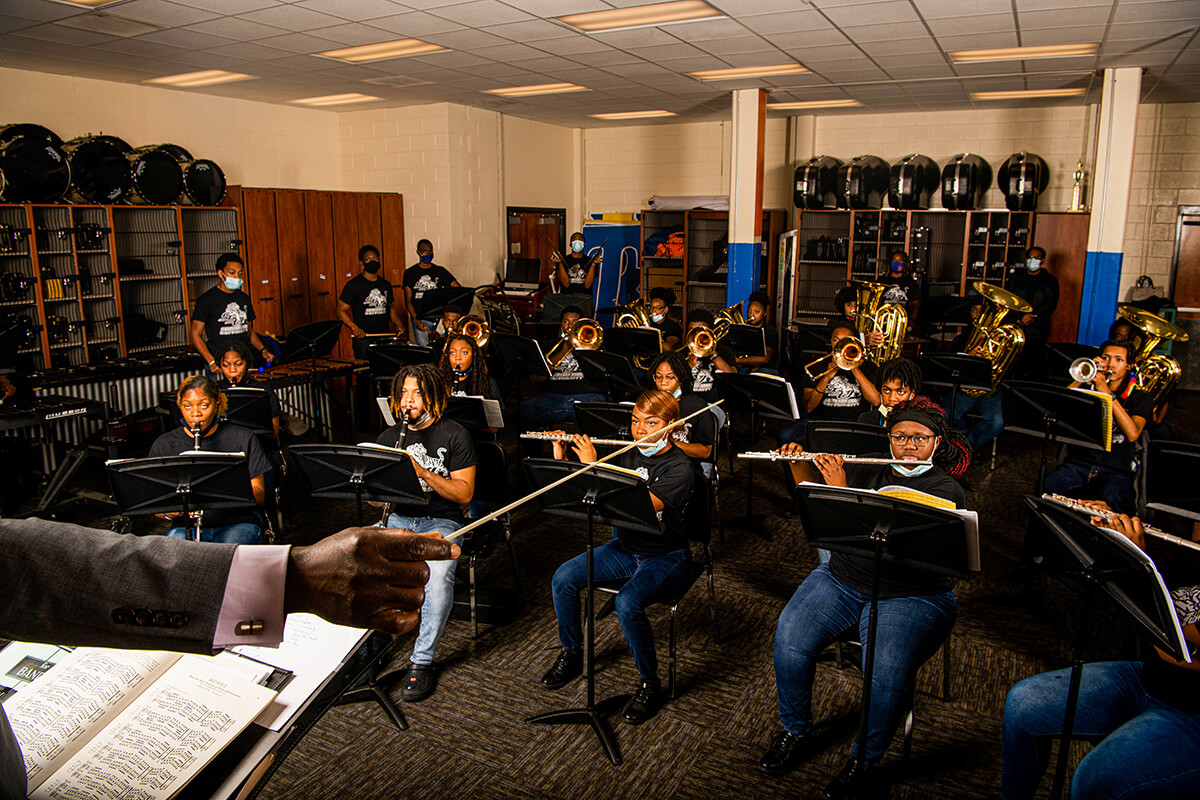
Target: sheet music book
1106, 399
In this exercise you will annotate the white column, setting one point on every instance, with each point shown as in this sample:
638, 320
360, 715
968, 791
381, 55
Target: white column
746, 193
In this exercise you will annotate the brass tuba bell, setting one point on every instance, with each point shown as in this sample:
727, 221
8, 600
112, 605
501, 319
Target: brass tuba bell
585, 334
871, 314
474, 326
731, 316
1001, 343
633, 315
1157, 373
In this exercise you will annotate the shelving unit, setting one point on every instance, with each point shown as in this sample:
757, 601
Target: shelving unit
22, 291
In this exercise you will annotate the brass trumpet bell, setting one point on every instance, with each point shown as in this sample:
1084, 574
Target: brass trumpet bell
585, 334
474, 326
847, 354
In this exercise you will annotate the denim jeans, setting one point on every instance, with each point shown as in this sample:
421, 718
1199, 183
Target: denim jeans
987, 428
908, 632
652, 579
439, 589
242, 533
1092, 482
421, 337
550, 408
1148, 750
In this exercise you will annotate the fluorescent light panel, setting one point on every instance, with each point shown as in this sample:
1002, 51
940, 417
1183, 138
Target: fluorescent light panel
208, 77
87, 3
813, 104
641, 16
634, 115
337, 99
382, 51
747, 72
544, 88
1024, 53
1026, 94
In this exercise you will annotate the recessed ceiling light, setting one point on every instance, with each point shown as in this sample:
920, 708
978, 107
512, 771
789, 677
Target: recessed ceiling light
543, 88
382, 51
747, 72
208, 77
813, 104
337, 99
641, 16
1024, 53
88, 3
634, 115
1026, 94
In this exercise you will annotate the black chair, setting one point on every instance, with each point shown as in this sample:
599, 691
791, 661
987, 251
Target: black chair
1167, 484
698, 527
491, 487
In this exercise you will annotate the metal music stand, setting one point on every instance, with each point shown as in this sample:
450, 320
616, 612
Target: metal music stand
1060, 355
1170, 474
612, 371
602, 497
181, 485
633, 342
353, 472
746, 340
847, 438
250, 407
309, 342
1056, 414
436, 302
470, 412
512, 356
947, 310
1093, 561
955, 371
755, 394
604, 420
385, 358
884, 529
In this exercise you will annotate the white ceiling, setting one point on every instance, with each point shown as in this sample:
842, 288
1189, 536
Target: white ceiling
888, 54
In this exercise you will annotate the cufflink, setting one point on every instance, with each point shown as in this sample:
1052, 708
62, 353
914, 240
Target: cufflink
249, 627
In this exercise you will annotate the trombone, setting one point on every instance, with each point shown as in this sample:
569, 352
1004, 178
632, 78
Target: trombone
701, 341
474, 326
847, 354
585, 334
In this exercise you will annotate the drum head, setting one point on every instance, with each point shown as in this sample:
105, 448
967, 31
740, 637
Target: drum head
157, 178
38, 132
33, 170
99, 170
175, 151
203, 182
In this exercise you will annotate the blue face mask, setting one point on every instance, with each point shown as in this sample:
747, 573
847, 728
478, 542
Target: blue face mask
897, 266
652, 449
678, 393
427, 258
1033, 264
577, 246
912, 472
233, 284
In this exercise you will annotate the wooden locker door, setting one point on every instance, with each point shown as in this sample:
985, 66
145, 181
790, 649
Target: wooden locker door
370, 224
322, 282
293, 257
262, 259
391, 207
346, 241
1064, 238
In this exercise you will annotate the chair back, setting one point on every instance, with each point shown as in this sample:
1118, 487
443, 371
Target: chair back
697, 515
846, 438
491, 473
1170, 483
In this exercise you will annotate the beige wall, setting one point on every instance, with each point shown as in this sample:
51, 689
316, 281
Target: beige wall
542, 167
256, 144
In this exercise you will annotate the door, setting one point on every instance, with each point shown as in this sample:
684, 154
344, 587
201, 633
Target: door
293, 257
1185, 290
262, 259
537, 233
322, 282
346, 241
391, 209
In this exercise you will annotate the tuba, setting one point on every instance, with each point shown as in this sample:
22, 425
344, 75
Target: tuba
1156, 373
474, 326
585, 334
633, 315
731, 316
847, 354
1001, 342
872, 314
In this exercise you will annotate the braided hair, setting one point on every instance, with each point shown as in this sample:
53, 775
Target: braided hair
430, 382
902, 369
678, 365
476, 383
953, 454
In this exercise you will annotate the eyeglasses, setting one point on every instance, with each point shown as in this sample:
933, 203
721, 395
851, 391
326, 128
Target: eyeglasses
901, 439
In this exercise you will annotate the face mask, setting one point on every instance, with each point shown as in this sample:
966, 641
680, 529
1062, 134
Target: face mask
884, 411
577, 246
912, 472
652, 449
419, 422
427, 258
897, 266
371, 267
657, 317
1033, 264
678, 393
233, 284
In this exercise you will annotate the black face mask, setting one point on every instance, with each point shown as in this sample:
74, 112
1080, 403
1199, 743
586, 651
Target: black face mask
371, 266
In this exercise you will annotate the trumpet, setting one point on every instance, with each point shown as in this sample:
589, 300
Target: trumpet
1107, 516
585, 334
775, 455
1085, 370
847, 354
474, 326
543, 436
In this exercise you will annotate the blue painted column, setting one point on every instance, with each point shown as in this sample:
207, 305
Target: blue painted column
746, 193
1110, 202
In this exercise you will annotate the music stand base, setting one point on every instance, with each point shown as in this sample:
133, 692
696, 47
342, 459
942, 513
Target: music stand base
593, 716
752, 523
376, 690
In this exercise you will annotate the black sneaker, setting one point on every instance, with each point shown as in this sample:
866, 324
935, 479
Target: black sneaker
419, 682
644, 703
785, 753
855, 783
567, 668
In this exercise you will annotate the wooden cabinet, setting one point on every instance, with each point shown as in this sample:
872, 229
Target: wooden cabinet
262, 259
292, 242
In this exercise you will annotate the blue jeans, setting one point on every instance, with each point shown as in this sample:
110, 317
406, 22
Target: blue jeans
420, 337
908, 632
550, 408
439, 589
242, 533
1149, 749
987, 428
652, 579
1094, 483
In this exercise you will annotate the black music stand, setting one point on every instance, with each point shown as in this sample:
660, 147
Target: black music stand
471, 412
884, 529
509, 355
1171, 470
850, 438
602, 497
633, 342
436, 302
611, 370
309, 342
1093, 561
746, 340
385, 358
1060, 356
947, 310
250, 407
955, 371
756, 394
604, 420
806, 336
1056, 414
354, 472
181, 484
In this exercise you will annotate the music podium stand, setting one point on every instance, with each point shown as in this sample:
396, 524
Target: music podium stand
755, 394
883, 529
955, 371
1093, 561
633, 342
611, 370
1056, 414
602, 497
182, 484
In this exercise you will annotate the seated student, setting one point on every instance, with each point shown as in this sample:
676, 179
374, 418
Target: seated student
555, 401
465, 369
1095, 474
696, 437
899, 380
904, 288
989, 405
233, 359
704, 370
662, 300
916, 608
835, 393
200, 404
444, 327
1143, 716
444, 459
657, 566
758, 314
1158, 428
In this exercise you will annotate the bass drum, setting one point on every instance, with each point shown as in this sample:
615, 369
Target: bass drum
203, 180
33, 169
99, 170
157, 178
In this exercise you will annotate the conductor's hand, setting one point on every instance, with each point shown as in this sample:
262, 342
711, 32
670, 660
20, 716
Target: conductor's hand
1129, 527
830, 466
365, 577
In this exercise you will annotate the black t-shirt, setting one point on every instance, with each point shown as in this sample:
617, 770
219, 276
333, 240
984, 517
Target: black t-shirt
369, 301
669, 327
576, 265
895, 580
226, 316
1169, 683
670, 476
493, 390
1040, 290
421, 279
871, 417
567, 377
704, 374
771, 333
227, 438
701, 429
1120, 458
843, 398
442, 448
248, 383
903, 290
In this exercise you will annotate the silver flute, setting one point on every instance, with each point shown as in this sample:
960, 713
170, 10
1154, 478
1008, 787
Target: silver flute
566, 437
1107, 516
777, 456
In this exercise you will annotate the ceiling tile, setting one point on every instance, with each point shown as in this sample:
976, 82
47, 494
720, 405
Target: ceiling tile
60, 34
1159, 10
892, 47
455, 59
351, 33
414, 23
251, 51
299, 43
482, 13
974, 26
738, 44
292, 18
354, 10
881, 13
556, 8
185, 40
1172, 29
139, 47
10, 24
788, 21
571, 45
530, 31
40, 10
604, 58
703, 30
508, 53
464, 39
978, 41
637, 37
883, 33
804, 39
1081, 33
231, 7
665, 52
235, 28
161, 13
1062, 17
940, 9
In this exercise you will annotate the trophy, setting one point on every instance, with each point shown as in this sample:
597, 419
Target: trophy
1077, 191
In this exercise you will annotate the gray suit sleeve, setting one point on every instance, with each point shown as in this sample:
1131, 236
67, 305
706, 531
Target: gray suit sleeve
78, 586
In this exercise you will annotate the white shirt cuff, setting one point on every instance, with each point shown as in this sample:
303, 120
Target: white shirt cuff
254, 591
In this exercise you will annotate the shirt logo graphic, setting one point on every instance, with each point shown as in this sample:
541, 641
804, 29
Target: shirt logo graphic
233, 320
